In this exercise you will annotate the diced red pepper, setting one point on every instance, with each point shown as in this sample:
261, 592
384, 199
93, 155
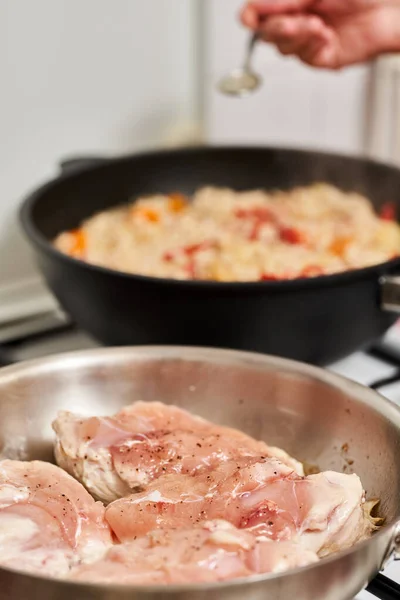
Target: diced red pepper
290, 235
269, 277
388, 211
190, 250
191, 269
259, 216
255, 231
311, 270
261, 213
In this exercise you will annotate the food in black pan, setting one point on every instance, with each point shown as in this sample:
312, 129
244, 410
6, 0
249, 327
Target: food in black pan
225, 235
210, 503
314, 319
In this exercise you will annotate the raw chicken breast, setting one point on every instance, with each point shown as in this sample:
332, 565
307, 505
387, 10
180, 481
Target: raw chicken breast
172, 501
214, 551
48, 521
113, 456
321, 511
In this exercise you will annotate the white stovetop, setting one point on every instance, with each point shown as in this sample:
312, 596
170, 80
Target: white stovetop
359, 367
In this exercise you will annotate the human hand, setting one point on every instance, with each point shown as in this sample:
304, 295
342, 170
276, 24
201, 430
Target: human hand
328, 34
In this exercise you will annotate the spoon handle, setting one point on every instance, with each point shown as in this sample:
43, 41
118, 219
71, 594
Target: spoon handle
250, 49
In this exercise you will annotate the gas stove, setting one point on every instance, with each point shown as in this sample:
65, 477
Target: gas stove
51, 333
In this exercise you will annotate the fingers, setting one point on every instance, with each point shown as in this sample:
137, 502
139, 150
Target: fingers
305, 36
282, 28
317, 51
323, 54
254, 12
293, 29
275, 7
250, 17
292, 34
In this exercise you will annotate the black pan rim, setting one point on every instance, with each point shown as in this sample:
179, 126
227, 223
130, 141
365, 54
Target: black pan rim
35, 235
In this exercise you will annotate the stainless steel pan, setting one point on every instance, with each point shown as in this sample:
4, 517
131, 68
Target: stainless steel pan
311, 413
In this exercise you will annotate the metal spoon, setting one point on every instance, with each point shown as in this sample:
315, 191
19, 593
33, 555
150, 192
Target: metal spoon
243, 80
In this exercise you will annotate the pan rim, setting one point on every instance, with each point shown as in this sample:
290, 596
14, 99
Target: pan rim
356, 390
35, 235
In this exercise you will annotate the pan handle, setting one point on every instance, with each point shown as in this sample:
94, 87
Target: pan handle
393, 551
390, 293
79, 163
396, 543
382, 587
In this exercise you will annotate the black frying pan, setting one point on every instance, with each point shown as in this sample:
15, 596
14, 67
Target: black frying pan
316, 320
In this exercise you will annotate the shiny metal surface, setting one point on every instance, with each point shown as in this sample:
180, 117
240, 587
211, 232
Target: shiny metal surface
318, 417
393, 550
243, 80
391, 293
396, 544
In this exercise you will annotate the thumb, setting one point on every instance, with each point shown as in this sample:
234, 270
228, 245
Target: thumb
275, 7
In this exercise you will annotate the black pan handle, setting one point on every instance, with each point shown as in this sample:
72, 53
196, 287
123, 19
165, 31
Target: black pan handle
79, 163
5, 360
384, 588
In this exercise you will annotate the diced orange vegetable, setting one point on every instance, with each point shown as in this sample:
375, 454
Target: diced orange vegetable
177, 202
79, 243
339, 245
388, 212
150, 214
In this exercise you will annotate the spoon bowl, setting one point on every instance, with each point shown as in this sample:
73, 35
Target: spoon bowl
240, 82
243, 80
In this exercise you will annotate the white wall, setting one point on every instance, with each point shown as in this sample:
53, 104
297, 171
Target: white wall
85, 76
80, 76
296, 106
